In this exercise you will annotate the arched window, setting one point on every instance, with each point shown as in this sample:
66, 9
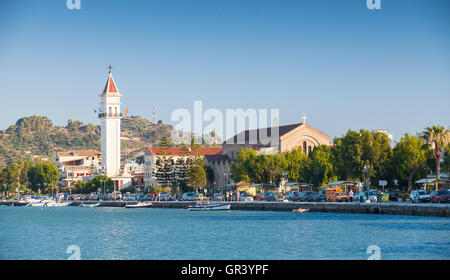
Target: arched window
304, 147
309, 149
110, 111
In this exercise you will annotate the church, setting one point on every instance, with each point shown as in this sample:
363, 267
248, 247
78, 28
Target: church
270, 140
277, 139
110, 116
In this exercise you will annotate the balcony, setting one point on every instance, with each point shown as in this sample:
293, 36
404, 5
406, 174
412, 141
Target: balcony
103, 115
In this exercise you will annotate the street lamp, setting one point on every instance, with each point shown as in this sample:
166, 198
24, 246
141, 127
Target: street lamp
366, 171
426, 176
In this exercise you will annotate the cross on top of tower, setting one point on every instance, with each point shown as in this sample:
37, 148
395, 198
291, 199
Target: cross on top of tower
304, 118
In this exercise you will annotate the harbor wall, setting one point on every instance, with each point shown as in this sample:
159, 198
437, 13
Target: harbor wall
395, 208
438, 210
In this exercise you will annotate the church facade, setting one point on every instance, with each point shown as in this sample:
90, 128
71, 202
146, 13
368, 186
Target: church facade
277, 139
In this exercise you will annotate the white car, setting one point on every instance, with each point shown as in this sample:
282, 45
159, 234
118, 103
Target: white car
419, 196
243, 196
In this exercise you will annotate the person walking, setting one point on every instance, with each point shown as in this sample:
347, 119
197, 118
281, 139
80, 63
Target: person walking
351, 195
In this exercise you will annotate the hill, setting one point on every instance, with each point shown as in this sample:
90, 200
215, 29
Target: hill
36, 136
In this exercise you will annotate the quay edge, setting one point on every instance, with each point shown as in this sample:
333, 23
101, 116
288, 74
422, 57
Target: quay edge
436, 210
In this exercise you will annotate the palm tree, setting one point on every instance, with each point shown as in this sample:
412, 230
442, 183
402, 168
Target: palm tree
437, 138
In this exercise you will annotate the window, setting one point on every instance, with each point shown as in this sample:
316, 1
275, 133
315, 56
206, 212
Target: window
304, 147
110, 111
309, 149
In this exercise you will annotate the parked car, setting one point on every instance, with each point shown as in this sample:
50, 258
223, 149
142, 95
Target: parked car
218, 197
419, 196
269, 196
338, 197
394, 196
312, 197
164, 196
440, 196
189, 196
373, 195
293, 196
302, 196
243, 196
322, 195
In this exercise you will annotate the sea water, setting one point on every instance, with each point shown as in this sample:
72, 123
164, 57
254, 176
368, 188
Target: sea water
119, 233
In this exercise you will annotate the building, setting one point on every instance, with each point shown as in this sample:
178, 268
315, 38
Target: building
110, 116
178, 157
220, 165
77, 165
276, 139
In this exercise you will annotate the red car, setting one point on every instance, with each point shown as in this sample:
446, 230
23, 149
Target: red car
440, 196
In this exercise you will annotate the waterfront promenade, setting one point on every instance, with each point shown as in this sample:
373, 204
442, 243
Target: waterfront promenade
392, 208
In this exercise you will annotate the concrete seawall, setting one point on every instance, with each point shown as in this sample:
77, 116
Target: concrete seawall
438, 210
395, 208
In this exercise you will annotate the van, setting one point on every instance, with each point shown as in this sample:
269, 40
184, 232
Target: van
336, 195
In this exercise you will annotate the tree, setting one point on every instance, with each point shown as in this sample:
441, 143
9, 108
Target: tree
102, 182
437, 138
446, 163
321, 166
354, 149
9, 178
297, 163
196, 177
25, 166
44, 174
409, 156
164, 163
242, 167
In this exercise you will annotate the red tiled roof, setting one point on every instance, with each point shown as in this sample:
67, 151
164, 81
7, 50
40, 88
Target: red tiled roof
82, 153
178, 151
110, 86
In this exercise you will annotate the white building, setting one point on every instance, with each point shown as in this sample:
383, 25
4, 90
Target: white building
77, 165
110, 115
177, 155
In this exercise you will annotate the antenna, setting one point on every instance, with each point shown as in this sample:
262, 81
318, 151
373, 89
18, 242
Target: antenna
154, 114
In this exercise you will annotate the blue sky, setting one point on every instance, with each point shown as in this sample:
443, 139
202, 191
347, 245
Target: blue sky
343, 65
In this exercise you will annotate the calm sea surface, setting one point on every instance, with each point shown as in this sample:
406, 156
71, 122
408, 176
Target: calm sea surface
118, 233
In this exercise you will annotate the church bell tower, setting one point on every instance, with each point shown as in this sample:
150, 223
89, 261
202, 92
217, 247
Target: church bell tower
109, 115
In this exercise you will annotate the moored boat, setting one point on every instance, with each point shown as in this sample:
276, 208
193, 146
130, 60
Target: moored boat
20, 203
209, 207
139, 205
90, 204
300, 210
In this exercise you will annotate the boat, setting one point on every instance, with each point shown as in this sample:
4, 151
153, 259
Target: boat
300, 210
90, 205
20, 203
139, 205
50, 203
38, 204
209, 207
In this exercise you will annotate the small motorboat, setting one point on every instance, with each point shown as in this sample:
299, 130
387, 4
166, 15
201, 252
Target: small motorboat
38, 204
139, 205
300, 210
20, 203
209, 207
90, 205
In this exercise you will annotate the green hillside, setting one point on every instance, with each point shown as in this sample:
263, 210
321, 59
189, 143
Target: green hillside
36, 136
